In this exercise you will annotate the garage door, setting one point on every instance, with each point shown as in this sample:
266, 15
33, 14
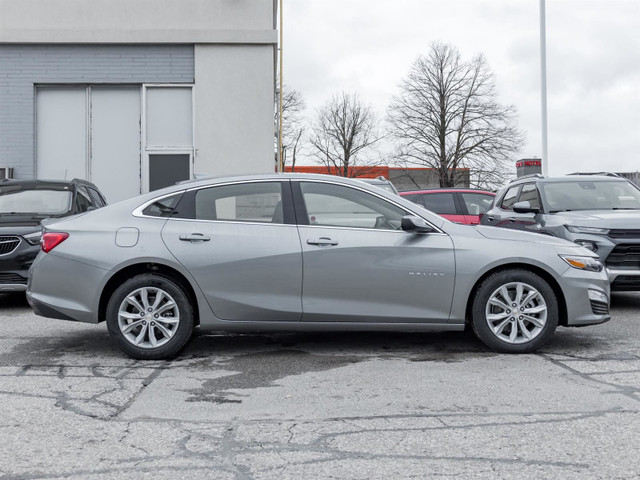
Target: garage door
90, 133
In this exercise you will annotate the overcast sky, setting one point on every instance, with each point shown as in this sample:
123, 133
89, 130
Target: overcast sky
593, 64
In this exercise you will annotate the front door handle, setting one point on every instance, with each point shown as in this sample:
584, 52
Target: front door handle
512, 219
194, 237
322, 241
490, 218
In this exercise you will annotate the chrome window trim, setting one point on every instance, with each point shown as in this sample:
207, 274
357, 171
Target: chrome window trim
376, 230
138, 211
230, 222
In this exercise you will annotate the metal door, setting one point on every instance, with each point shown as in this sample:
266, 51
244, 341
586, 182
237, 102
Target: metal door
248, 268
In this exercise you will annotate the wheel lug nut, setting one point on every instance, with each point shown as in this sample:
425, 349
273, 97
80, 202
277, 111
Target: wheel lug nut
144, 322
142, 314
514, 305
156, 316
512, 319
149, 309
522, 309
508, 311
153, 323
521, 317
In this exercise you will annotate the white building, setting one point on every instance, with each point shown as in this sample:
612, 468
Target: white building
134, 95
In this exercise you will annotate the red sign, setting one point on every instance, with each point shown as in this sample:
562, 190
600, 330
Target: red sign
529, 163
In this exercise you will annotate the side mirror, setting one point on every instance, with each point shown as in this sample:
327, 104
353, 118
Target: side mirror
525, 207
411, 223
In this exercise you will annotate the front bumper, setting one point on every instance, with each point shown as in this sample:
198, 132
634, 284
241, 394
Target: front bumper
587, 297
624, 280
14, 267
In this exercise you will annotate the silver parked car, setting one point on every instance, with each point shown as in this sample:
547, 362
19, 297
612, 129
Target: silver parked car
298, 252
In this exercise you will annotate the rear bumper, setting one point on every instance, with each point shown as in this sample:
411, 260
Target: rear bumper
74, 297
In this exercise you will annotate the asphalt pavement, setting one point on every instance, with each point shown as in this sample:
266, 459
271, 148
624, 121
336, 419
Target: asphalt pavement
318, 406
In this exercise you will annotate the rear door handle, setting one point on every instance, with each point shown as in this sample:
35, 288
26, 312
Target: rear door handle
322, 241
512, 219
194, 237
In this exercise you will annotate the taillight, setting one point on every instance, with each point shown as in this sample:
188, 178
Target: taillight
51, 240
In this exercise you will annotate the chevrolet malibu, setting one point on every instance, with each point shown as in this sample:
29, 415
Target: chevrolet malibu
298, 252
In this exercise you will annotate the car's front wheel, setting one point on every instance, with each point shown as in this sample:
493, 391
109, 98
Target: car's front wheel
150, 317
514, 311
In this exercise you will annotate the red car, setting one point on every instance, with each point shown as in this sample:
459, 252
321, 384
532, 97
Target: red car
461, 205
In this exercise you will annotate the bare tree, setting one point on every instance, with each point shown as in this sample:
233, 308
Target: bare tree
293, 126
446, 117
344, 135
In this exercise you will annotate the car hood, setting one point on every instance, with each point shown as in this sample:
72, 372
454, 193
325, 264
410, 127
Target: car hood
518, 236
619, 219
19, 228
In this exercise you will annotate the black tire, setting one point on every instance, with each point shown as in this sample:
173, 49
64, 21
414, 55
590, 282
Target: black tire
181, 333
497, 342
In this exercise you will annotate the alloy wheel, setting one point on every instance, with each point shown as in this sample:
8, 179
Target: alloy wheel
516, 313
148, 317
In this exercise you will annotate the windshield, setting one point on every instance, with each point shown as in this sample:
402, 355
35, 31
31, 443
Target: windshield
39, 201
614, 195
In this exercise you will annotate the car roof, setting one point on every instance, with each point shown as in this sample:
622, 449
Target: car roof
34, 183
373, 180
37, 184
569, 178
266, 176
447, 190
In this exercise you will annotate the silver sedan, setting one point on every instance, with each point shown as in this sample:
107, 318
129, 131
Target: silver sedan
305, 253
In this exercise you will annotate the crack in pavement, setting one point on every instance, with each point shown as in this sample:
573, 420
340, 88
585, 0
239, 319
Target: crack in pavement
624, 390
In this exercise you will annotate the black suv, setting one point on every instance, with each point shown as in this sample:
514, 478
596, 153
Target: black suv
599, 212
23, 205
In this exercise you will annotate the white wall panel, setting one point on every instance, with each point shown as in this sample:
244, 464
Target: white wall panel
115, 141
234, 109
61, 143
169, 117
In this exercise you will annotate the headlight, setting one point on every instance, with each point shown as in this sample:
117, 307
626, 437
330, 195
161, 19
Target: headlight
589, 264
33, 238
593, 230
588, 245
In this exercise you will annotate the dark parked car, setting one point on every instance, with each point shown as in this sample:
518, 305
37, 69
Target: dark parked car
461, 205
23, 205
599, 212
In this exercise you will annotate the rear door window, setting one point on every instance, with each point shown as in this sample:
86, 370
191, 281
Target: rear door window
259, 202
476, 203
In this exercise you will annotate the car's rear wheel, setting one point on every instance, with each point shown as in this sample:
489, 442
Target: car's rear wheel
150, 317
514, 311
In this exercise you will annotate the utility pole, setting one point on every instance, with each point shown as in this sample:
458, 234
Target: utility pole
543, 87
280, 153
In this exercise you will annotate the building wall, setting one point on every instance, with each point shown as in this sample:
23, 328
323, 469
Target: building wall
137, 21
402, 178
147, 41
234, 128
24, 66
